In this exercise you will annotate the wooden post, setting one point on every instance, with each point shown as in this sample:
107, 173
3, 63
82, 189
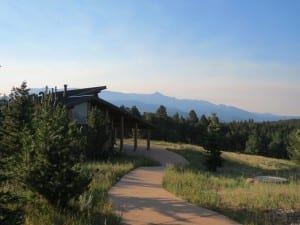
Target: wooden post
148, 139
135, 137
116, 135
122, 134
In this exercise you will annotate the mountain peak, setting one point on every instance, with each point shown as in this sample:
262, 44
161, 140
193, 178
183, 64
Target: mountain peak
157, 94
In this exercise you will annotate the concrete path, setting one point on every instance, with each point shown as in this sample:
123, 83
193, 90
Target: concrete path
140, 199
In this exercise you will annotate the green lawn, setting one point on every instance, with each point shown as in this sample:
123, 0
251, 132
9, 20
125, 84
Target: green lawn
93, 207
228, 191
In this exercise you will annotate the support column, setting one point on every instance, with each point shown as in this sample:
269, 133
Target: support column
148, 139
135, 137
116, 135
122, 134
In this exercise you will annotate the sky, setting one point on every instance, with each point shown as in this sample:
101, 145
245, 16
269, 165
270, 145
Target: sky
240, 53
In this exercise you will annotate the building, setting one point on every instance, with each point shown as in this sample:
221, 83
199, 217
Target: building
79, 101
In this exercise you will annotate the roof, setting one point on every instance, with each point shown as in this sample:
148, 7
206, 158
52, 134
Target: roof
70, 98
76, 96
81, 92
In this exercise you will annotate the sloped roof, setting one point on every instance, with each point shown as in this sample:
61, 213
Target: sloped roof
81, 92
74, 97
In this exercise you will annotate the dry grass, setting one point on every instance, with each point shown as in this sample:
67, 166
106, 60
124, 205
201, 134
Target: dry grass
228, 191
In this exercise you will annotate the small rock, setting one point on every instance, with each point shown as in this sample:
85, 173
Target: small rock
251, 181
271, 179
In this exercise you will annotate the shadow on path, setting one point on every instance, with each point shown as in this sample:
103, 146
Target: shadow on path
141, 200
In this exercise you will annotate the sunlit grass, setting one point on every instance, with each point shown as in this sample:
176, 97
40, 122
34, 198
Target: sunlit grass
228, 191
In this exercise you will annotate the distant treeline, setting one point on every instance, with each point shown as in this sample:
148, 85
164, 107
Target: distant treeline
265, 138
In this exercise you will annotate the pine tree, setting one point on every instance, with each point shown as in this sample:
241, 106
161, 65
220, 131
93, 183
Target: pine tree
16, 117
253, 144
98, 135
135, 112
161, 113
294, 146
193, 118
192, 132
212, 144
161, 119
56, 151
276, 146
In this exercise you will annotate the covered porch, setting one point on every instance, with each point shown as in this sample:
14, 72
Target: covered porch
121, 120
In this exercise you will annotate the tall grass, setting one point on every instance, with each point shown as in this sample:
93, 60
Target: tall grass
228, 191
92, 207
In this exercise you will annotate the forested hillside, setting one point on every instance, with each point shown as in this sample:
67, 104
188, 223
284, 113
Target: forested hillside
271, 139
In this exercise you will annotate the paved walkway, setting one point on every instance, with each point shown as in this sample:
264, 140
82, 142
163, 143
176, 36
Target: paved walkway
141, 200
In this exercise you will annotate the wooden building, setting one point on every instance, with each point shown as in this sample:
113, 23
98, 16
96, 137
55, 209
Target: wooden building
80, 101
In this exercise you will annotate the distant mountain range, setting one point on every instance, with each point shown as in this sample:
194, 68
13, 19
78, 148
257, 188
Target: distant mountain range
151, 102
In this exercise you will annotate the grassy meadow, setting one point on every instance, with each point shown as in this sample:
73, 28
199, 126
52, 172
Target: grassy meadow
93, 207
228, 191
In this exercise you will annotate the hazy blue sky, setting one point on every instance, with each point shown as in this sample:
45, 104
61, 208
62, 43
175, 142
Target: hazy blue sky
244, 53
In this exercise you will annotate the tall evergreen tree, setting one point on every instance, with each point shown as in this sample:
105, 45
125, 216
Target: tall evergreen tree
253, 144
56, 150
161, 113
16, 117
277, 145
176, 118
203, 121
193, 118
192, 131
162, 120
201, 130
294, 146
98, 135
212, 144
135, 111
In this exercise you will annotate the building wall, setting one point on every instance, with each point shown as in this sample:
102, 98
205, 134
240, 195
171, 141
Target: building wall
80, 113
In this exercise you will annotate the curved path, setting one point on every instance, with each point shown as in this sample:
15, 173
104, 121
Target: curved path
140, 199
